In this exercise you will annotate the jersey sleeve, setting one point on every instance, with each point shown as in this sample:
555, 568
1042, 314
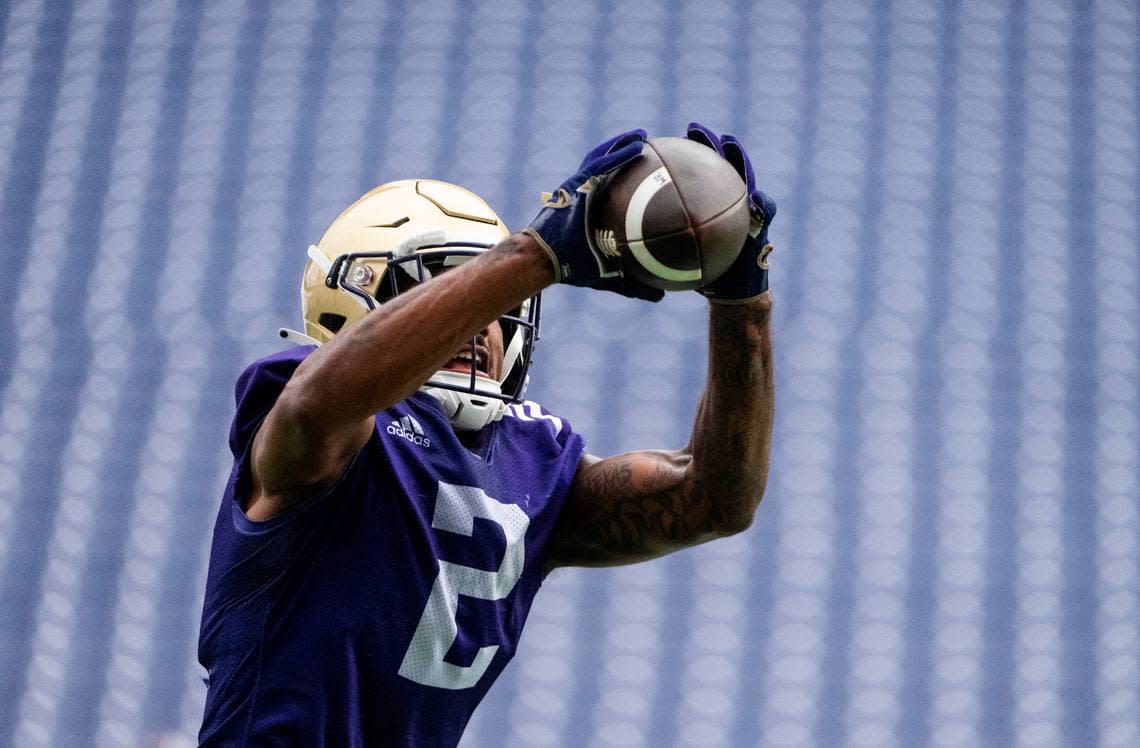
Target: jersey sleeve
247, 556
256, 391
559, 428
556, 449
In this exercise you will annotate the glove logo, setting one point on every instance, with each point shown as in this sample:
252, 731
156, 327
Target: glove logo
607, 242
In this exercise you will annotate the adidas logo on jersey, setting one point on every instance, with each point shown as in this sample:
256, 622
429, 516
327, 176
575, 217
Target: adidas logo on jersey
409, 428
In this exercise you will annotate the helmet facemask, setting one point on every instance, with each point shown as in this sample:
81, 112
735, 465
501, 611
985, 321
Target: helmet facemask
470, 398
401, 234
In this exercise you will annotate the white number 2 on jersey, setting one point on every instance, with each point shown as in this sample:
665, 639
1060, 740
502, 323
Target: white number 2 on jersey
456, 508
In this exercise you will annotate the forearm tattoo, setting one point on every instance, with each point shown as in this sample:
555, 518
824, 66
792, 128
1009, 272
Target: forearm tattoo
644, 504
732, 435
638, 506
737, 350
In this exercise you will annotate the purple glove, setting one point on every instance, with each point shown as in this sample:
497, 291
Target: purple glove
560, 227
746, 278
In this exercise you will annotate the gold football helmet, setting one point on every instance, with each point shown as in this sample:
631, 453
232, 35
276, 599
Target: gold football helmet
404, 233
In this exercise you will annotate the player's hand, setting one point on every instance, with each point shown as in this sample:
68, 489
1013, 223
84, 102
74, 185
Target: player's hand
746, 278
560, 227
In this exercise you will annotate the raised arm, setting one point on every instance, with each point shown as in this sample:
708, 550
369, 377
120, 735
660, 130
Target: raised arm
325, 413
641, 505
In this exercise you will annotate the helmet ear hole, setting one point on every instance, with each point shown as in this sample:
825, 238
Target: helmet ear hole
332, 322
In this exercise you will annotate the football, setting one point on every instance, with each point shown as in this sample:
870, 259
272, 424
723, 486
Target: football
674, 218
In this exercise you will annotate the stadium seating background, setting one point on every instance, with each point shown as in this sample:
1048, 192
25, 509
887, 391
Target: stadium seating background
947, 553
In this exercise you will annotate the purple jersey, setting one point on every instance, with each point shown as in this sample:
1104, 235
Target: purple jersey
380, 612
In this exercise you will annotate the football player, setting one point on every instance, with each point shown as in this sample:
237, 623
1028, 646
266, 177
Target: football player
395, 504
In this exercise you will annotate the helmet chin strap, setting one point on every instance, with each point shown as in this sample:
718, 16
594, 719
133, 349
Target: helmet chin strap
466, 411
470, 411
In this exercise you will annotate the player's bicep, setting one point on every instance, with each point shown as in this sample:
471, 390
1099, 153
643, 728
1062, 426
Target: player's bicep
294, 456
631, 507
